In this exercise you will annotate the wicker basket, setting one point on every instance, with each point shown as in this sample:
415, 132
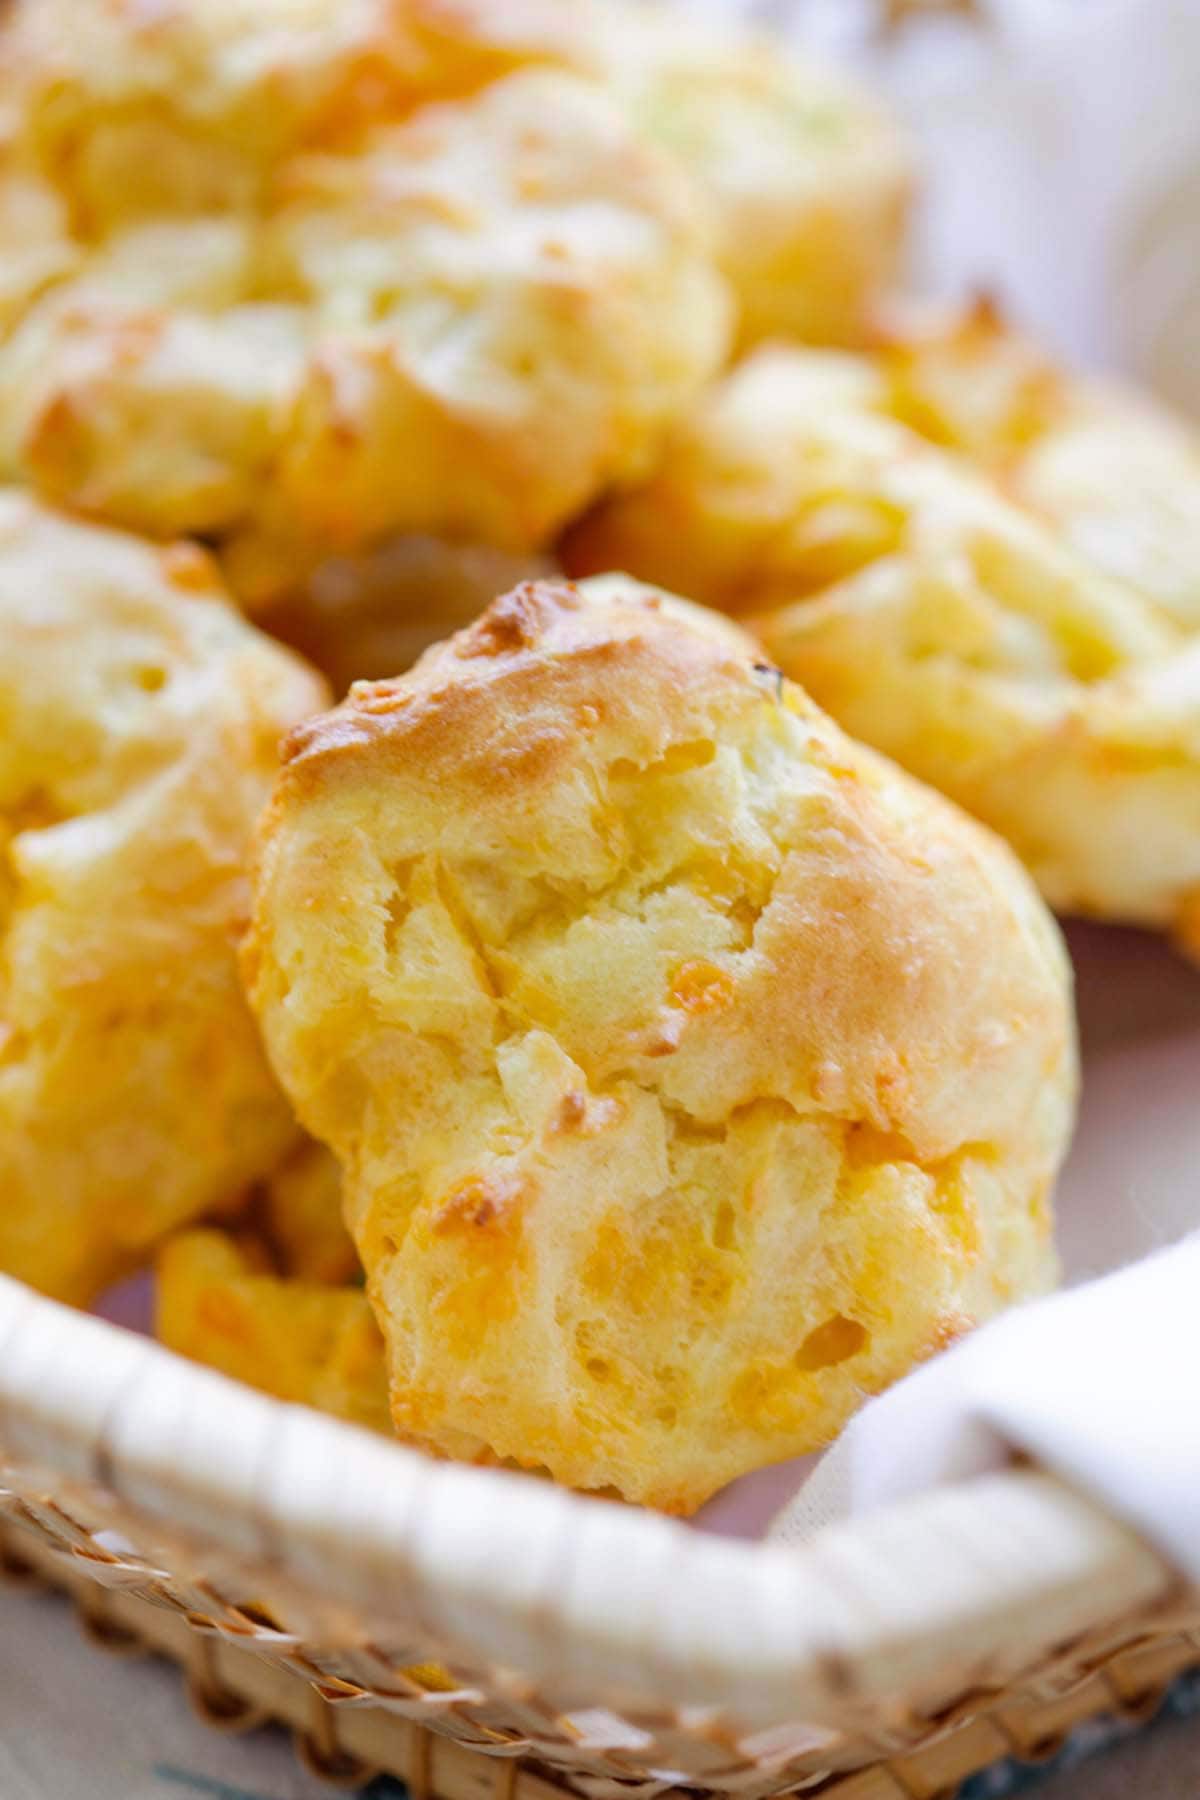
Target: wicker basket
419, 1617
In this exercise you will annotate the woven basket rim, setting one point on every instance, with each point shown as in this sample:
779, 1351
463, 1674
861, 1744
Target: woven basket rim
595, 1602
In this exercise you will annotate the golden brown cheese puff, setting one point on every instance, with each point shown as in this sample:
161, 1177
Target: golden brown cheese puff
761, 493
302, 1341
625, 591
808, 177
189, 107
302, 1217
324, 296
1116, 474
938, 618
692, 1070
36, 248
139, 723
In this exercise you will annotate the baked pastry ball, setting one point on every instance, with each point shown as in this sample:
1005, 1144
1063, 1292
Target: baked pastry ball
139, 723
218, 1302
325, 296
809, 178
1114, 472
693, 1071
940, 617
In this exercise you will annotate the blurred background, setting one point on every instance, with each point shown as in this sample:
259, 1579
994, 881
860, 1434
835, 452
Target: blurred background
1061, 144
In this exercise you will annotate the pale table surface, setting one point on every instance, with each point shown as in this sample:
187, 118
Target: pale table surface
76, 1724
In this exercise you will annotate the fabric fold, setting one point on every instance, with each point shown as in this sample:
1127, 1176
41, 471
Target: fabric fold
1086, 1383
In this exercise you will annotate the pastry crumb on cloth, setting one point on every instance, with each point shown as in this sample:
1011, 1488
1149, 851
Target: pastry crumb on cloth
693, 1071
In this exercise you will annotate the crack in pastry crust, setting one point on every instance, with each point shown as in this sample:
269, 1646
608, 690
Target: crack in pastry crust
981, 565
692, 1071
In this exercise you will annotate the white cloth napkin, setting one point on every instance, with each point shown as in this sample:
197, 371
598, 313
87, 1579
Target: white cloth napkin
1100, 1384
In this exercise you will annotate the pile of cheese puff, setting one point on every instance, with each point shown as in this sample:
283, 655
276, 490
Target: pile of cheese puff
575, 1050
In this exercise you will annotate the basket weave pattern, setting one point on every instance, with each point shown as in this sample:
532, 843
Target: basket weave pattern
409, 1615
